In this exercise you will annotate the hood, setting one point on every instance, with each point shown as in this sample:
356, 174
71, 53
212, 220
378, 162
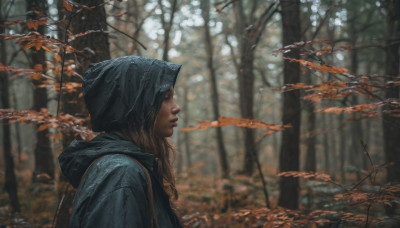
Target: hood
125, 90
78, 156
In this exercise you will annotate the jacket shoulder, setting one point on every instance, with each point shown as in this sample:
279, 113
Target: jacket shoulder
110, 173
114, 187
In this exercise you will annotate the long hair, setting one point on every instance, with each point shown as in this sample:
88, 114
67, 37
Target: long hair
145, 138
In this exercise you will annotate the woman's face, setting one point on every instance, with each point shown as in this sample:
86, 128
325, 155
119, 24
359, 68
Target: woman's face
166, 118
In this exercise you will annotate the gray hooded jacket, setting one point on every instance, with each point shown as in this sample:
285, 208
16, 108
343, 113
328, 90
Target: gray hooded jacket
114, 190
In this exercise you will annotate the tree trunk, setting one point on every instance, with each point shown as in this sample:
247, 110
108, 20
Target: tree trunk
356, 127
135, 11
95, 46
391, 124
167, 25
311, 159
325, 143
333, 145
96, 49
289, 154
186, 122
342, 148
44, 160
205, 8
179, 159
246, 89
246, 84
10, 184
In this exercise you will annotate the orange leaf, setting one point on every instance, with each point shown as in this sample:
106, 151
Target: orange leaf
24, 156
324, 68
74, 36
44, 127
38, 45
324, 50
58, 136
68, 5
34, 24
70, 70
58, 58
56, 71
236, 121
120, 14
37, 76
70, 49
9, 23
49, 49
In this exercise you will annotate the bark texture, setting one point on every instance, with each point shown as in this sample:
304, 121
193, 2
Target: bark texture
289, 153
391, 124
205, 7
167, 25
248, 31
95, 48
44, 159
10, 184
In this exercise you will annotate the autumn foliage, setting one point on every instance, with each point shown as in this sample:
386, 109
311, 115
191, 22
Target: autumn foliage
238, 201
235, 121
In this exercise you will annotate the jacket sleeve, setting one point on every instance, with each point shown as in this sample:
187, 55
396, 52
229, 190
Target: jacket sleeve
113, 194
120, 208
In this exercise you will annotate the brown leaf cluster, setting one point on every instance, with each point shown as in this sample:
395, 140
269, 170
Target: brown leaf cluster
358, 197
236, 121
64, 122
72, 37
32, 24
369, 109
323, 68
327, 90
35, 73
307, 175
38, 41
302, 44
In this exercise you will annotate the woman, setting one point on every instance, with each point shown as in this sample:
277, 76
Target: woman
123, 176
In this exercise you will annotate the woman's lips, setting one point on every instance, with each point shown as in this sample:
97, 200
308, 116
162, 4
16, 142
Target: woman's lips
174, 122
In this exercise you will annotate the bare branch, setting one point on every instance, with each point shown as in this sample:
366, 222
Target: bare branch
263, 20
327, 14
225, 5
233, 54
133, 38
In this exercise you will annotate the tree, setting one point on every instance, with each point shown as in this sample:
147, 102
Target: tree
10, 184
167, 25
391, 124
186, 117
87, 16
84, 16
205, 9
289, 153
44, 163
248, 31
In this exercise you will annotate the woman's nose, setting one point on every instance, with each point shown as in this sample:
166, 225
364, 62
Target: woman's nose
176, 109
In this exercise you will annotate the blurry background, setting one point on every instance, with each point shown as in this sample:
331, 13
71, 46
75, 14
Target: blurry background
238, 61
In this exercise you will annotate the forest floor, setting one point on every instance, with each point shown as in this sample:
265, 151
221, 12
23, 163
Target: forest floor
240, 202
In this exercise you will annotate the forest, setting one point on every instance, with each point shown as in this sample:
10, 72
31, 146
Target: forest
290, 109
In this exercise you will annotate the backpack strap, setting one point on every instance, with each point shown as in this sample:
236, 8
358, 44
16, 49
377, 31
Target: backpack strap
152, 211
